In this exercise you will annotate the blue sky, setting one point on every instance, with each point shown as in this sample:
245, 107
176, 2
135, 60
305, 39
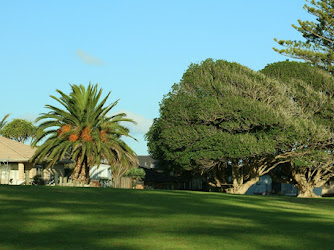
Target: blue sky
136, 49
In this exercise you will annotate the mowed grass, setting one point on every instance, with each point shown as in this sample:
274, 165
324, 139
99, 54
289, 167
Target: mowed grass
33, 217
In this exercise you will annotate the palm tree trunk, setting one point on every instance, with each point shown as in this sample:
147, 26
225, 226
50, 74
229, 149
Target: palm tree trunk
77, 169
81, 171
84, 173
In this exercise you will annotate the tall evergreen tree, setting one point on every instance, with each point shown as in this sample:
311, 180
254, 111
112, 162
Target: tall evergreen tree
318, 47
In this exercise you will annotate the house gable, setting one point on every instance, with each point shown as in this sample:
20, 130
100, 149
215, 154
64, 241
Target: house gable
13, 151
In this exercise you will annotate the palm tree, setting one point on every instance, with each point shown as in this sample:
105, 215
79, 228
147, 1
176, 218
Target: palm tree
83, 131
3, 121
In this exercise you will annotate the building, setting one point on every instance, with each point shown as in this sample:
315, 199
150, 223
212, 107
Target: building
147, 162
156, 178
15, 168
101, 172
266, 185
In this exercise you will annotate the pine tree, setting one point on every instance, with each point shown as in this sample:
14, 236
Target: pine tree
318, 49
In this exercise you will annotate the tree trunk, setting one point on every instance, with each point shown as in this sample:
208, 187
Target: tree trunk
304, 186
77, 169
117, 181
241, 188
307, 193
81, 171
84, 174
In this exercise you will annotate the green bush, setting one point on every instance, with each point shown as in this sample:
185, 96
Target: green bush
136, 173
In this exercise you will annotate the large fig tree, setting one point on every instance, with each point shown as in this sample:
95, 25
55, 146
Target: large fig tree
313, 90
225, 120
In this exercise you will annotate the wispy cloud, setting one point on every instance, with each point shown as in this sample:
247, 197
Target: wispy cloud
88, 58
143, 123
29, 117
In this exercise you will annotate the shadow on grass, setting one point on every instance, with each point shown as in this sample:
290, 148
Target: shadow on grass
90, 218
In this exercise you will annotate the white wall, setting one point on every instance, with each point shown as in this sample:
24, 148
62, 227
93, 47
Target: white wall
101, 172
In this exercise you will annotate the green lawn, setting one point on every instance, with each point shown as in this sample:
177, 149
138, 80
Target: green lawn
34, 217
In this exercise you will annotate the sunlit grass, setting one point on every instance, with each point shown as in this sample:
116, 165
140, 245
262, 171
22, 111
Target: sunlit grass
34, 217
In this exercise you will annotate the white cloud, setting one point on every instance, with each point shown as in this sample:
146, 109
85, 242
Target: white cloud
29, 117
143, 123
88, 58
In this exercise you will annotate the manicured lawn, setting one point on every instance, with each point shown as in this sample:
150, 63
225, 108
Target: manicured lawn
34, 217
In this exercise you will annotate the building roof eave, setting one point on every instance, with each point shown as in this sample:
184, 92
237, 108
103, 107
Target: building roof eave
14, 160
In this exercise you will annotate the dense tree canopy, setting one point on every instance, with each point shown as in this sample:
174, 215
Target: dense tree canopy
223, 115
136, 173
19, 130
313, 89
318, 46
83, 131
